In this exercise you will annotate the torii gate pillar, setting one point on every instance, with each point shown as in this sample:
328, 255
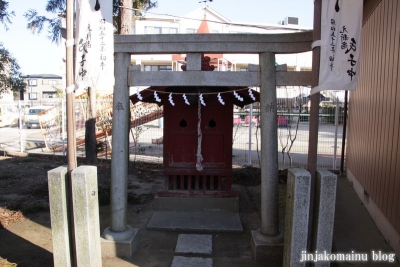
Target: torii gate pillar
120, 239
267, 242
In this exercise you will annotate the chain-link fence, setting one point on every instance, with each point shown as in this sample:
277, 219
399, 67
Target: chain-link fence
146, 132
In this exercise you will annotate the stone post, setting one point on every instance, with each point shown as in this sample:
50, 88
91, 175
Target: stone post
120, 235
267, 242
59, 201
86, 216
296, 222
324, 213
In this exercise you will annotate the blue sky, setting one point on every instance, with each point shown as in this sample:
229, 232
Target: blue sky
37, 55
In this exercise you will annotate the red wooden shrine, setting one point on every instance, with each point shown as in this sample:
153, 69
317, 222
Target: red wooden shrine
181, 143
181, 177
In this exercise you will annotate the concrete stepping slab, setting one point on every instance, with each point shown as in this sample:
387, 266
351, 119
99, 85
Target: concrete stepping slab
196, 221
180, 261
194, 244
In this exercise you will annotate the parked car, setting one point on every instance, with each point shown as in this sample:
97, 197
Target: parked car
31, 116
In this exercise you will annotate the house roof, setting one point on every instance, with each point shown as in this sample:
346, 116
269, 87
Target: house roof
203, 28
42, 76
210, 11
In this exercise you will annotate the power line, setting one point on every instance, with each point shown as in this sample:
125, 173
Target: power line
219, 22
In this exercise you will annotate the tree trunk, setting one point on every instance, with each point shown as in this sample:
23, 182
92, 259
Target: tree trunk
125, 26
90, 132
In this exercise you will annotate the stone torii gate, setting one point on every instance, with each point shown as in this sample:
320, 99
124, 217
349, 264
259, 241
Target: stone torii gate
268, 240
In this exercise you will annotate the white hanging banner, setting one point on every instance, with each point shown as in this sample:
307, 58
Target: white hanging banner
94, 63
341, 23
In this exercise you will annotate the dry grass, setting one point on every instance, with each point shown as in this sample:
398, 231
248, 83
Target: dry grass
6, 263
9, 217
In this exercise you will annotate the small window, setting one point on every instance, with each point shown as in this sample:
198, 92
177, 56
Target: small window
173, 30
190, 30
157, 68
32, 82
152, 30
49, 95
244, 69
33, 96
157, 30
165, 68
50, 82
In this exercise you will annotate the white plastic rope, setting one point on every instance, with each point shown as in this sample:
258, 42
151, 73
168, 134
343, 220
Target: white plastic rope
69, 42
70, 89
316, 43
199, 165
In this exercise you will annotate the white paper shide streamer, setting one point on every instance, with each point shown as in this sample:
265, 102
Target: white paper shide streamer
156, 97
220, 99
238, 96
186, 100
202, 100
251, 95
139, 95
171, 100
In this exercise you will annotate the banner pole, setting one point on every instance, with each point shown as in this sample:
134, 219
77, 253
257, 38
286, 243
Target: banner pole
314, 117
70, 99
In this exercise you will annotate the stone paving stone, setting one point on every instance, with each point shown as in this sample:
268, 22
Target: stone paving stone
180, 261
194, 244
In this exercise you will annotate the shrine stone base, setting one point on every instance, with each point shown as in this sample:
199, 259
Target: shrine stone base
122, 244
267, 248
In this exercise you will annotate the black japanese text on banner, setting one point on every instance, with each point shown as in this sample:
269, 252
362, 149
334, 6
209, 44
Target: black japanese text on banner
341, 22
94, 63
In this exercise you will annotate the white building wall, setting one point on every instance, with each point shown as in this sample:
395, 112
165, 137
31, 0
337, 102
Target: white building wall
295, 62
